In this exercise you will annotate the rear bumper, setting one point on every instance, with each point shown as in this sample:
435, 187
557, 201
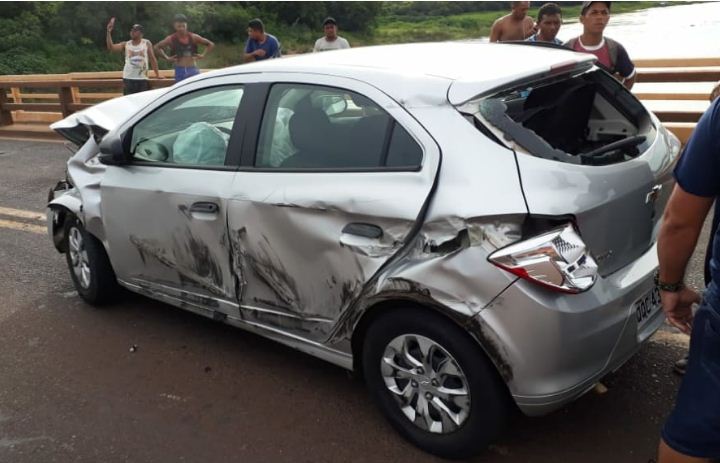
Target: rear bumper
555, 348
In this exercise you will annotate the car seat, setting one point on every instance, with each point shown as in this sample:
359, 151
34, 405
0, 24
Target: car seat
309, 130
559, 113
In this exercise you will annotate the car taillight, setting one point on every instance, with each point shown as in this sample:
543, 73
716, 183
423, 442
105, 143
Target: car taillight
558, 260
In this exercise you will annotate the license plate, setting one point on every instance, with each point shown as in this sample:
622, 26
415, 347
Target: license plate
647, 306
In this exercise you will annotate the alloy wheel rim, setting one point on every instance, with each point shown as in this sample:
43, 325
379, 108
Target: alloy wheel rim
427, 383
78, 257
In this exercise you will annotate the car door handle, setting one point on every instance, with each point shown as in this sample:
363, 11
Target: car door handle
366, 230
204, 207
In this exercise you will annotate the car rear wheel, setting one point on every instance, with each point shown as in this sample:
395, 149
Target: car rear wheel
89, 266
434, 383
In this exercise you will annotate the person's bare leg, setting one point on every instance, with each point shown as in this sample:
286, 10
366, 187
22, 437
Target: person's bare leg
668, 455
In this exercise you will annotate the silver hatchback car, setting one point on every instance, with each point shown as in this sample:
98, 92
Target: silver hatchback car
469, 227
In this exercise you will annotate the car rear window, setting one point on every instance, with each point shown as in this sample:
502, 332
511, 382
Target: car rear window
588, 119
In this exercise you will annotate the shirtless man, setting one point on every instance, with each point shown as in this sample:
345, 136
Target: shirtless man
184, 46
515, 26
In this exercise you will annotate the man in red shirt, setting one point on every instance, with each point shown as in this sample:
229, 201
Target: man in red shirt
610, 54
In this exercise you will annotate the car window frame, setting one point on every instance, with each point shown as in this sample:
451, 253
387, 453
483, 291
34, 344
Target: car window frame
251, 143
232, 154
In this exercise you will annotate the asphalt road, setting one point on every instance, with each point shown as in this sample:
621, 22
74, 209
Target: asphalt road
195, 390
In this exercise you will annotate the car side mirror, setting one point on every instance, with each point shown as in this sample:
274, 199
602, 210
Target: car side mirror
112, 151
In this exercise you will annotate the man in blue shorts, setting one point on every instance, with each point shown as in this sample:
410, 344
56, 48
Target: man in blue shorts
260, 45
692, 432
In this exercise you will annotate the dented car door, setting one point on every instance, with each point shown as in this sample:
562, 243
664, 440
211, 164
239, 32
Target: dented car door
330, 191
166, 211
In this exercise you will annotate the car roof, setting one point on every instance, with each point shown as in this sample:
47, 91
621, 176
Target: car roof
470, 68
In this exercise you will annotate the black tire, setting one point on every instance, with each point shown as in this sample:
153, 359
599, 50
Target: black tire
490, 403
101, 285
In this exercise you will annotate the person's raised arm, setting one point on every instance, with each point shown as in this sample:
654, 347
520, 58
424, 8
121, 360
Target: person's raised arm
209, 45
153, 60
112, 47
160, 48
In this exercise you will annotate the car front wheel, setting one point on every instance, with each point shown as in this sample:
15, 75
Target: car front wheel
89, 266
434, 383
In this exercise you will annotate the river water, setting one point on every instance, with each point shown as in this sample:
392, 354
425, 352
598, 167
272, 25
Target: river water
672, 32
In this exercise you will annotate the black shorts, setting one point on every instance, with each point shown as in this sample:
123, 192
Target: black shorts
135, 86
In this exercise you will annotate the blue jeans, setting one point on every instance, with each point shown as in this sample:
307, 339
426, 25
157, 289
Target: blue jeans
693, 427
182, 72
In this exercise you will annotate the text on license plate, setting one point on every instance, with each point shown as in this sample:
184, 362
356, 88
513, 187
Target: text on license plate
646, 306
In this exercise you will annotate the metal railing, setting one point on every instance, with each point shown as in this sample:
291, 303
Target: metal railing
676, 90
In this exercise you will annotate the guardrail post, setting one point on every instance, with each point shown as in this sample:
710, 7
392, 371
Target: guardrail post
66, 99
5, 114
15, 92
76, 98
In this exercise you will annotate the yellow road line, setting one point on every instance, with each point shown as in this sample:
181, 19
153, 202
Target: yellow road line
12, 225
22, 214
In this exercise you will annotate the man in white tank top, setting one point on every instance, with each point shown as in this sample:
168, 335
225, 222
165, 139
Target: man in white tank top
138, 52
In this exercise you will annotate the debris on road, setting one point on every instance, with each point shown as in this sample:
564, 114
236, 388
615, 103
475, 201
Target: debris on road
133, 348
600, 389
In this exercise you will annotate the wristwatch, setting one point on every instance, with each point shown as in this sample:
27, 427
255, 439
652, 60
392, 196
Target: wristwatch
669, 287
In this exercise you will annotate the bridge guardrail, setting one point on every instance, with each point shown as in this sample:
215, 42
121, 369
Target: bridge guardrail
676, 90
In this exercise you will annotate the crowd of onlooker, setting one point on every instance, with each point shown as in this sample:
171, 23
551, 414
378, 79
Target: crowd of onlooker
594, 17
182, 47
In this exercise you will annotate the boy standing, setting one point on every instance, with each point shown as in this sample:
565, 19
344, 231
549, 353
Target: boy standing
260, 45
184, 49
138, 51
331, 40
548, 24
610, 54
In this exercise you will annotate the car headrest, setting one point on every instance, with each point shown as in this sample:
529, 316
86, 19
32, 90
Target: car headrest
308, 127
